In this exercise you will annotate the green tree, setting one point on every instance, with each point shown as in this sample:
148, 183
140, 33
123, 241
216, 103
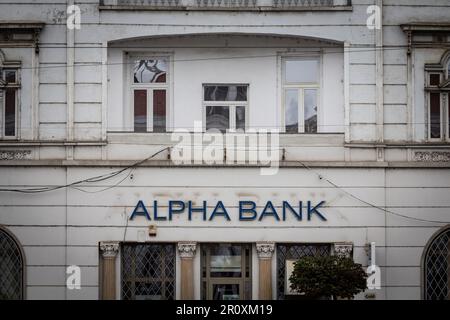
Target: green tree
330, 276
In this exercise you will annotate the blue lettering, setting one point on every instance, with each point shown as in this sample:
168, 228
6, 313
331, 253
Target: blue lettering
223, 212
173, 210
155, 212
269, 210
298, 214
314, 210
202, 209
243, 210
140, 210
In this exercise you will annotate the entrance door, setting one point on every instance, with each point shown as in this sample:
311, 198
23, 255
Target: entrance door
226, 271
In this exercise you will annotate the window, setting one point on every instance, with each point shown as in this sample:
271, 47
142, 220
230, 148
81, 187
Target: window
226, 271
150, 94
148, 271
225, 106
300, 85
11, 267
9, 85
438, 105
288, 252
436, 266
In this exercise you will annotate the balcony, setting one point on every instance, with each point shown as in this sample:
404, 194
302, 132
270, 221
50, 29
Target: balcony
236, 5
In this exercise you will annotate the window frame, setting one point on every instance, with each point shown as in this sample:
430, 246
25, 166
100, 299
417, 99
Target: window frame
150, 88
16, 86
301, 87
230, 104
441, 113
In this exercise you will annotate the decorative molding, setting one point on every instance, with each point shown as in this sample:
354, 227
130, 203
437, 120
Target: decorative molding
265, 250
15, 155
187, 250
343, 249
109, 249
432, 156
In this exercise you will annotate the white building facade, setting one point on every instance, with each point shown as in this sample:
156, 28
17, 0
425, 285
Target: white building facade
92, 114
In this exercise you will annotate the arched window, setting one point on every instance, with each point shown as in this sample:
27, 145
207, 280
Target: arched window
448, 69
11, 267
437, 267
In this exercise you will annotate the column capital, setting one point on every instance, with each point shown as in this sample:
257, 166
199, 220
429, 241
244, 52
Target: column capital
265, 250
343, 249
109, 249
187, 249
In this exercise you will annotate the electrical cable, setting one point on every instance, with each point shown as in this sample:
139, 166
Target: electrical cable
88, 180
368, 203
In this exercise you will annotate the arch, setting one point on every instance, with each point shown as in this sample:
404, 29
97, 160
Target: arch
12, 267
435, 266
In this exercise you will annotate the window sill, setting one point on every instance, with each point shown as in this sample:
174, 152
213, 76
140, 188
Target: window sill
286, 139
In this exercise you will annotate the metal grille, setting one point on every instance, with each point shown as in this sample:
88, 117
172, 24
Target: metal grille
437, 268
148, 271
295, 251
11, 269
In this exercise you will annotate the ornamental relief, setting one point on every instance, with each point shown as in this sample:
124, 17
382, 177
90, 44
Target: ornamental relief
432, 156
15, 155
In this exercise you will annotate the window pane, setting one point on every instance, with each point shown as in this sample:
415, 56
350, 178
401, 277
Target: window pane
225, 93
10, 113
240, 117
291, 110
226, 292
435, 115
159, 110
10, 76
310, 110
225, 260
150, 71
140, 110
434, 79
218, 117
301, 71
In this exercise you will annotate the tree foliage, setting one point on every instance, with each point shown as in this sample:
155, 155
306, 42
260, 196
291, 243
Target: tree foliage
330, 276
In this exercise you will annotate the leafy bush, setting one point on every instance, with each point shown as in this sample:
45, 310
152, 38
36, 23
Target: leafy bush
330, 276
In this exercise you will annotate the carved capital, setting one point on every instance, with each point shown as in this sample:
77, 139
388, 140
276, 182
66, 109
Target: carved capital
187, 249
343, 249
265, 250
109, 249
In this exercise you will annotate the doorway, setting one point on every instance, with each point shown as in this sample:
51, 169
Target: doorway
226, 271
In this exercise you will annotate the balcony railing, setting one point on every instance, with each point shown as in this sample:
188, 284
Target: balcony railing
258, 5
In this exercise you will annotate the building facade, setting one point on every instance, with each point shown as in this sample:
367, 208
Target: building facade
98, 97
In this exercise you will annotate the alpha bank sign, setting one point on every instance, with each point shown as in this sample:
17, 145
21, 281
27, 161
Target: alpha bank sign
246, 211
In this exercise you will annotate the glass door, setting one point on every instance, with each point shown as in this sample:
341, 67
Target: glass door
226, 271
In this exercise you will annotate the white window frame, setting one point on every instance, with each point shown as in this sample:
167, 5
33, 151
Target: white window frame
230, 104
150, 87
301, 87
15, 86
